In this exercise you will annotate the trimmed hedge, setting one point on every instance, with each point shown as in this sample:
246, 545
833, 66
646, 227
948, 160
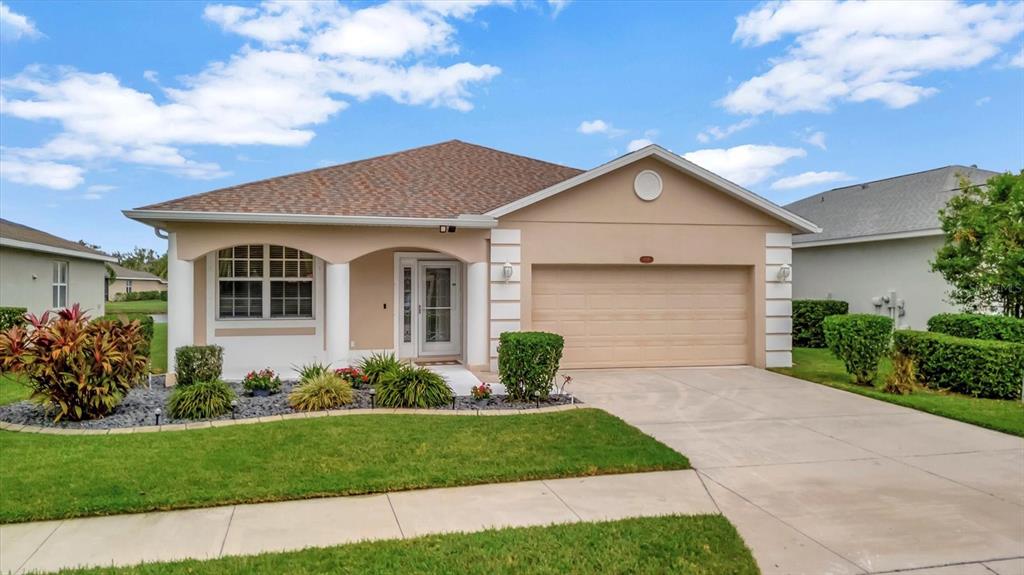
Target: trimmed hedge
860, 340
528, 362
978, 367
12, 316
977, 326
808, 315
197, 363
142, 295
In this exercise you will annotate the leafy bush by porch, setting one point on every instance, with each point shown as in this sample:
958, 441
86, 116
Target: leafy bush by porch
860, 340
808, 316
377, 364
200, 400
12, 316
324, 391
146, 326
79, 369
296, 459
978, 367
528, 362
198, 363
977, 326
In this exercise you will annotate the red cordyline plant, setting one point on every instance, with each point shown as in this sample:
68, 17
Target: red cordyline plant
78, 369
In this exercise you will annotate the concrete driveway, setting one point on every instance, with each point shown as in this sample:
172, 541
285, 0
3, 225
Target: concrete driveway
820, 481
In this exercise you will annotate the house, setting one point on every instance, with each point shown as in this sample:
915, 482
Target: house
121, 280
41, 271
878, 240
647, 260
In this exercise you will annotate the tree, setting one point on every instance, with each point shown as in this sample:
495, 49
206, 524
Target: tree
983, 255
143, 259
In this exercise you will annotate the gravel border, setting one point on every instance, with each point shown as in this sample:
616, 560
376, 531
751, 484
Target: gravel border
140, 405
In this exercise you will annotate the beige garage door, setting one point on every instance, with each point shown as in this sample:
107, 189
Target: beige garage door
645, 316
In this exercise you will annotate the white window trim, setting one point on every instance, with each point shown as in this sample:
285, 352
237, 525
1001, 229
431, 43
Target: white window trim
127, 286
213, 268
58, 284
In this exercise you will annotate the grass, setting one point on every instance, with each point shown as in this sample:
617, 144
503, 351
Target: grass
139, 306
11, 389
818, 365
692, 545
158, 348
55, 476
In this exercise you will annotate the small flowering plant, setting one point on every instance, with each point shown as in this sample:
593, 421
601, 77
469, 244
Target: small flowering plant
352, 375
482, 391
262, 382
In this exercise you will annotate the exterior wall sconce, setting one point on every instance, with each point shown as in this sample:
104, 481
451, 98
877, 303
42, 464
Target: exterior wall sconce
507, 270
784, 272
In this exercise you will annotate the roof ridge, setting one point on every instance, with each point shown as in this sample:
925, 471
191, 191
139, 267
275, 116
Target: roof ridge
305, 172
919, 172
81, 247
515, 154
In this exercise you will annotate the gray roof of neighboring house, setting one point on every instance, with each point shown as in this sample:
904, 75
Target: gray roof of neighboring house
903, 204
21, 236
123, 273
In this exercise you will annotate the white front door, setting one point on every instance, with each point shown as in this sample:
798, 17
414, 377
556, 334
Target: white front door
438, 311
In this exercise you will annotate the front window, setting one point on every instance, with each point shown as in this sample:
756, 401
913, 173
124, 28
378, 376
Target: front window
264, 281
60, 284
127, 286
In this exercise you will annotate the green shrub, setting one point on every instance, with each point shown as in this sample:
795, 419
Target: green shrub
808, 315
11, 317
977, 326
262, 380
198, 363
142, 295
77, 368
145, 325
528, 362
377, 364
310, 370
859, 340
319, 392
412, 386
978, 367
200, 400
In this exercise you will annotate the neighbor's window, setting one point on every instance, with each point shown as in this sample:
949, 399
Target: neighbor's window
60, 284
247, 275
127, 286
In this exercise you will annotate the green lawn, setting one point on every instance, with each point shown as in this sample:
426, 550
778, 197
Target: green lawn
11, 389
140, 306
689, 545
56, 476
158, 348
820, 366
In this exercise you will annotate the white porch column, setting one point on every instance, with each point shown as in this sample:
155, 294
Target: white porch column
180, 307
336, 300
476, 314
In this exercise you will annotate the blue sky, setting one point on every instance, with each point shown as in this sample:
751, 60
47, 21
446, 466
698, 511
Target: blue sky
112, 106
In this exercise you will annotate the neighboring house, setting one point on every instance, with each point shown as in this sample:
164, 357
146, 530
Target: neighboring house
40, 271
124, 281
878, 240
648, 260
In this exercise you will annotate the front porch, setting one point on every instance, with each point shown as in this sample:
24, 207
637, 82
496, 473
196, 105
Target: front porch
281, 305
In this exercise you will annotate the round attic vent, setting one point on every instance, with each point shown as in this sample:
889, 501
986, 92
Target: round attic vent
647, 185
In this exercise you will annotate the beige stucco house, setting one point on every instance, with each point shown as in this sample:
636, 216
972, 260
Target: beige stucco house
647, 260
42, 272
121, 280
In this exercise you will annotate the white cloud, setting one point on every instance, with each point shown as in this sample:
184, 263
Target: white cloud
745, 165
14, 26
309, 61
1018, 59
816, 139
719, 133
982, 101
590, 127
809, 179
97, 191
860, 51
47, 174
557, 6
635, 145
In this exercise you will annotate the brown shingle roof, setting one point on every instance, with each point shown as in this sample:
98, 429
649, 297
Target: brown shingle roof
22, 233
438, 181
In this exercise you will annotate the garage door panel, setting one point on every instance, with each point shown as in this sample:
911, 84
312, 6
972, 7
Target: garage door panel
625, 316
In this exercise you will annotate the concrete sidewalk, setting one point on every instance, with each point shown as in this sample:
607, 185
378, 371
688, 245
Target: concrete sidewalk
249, 529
